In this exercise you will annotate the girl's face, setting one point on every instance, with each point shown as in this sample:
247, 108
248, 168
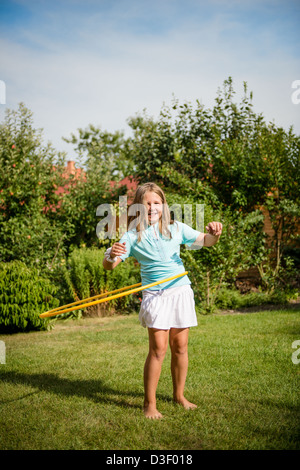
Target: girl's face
154, 206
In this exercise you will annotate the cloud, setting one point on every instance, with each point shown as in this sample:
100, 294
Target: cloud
80, 66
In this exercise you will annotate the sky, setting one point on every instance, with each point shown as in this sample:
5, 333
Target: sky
75, 63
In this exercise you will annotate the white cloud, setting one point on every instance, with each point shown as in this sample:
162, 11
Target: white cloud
111, 75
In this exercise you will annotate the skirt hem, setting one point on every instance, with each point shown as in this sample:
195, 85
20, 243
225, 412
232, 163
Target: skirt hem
168, 308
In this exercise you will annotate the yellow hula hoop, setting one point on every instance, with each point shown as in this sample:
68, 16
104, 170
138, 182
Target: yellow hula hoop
63, 309
90, 298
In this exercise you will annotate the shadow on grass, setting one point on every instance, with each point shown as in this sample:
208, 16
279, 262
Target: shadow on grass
94, 390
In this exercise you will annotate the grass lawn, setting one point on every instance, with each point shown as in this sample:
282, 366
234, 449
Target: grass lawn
80, 386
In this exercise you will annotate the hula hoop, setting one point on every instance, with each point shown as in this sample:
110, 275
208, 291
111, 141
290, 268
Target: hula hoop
63, 309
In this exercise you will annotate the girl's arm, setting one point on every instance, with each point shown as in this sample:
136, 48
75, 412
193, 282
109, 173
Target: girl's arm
109, 266
117, 249
209, 239
214, 232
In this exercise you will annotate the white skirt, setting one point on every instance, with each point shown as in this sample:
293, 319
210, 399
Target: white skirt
168, 308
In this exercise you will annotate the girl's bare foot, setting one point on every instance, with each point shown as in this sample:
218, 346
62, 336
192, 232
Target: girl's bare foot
151, 412
185, 403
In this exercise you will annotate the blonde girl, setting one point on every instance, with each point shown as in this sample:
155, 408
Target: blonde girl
167, 309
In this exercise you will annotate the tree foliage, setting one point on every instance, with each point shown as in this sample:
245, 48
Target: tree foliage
24, 294
104, 158
228, 158
29, 175
230, 149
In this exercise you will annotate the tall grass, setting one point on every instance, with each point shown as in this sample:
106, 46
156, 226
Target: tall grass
80, 386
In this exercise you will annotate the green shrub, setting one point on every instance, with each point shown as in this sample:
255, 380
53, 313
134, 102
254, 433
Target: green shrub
233, 299
87, 277
23, 296
30, 173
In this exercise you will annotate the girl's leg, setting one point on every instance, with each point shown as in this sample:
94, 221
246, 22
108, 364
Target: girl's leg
179, 364
158, 344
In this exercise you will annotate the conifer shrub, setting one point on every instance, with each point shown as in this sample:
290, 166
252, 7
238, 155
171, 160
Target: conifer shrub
24, 294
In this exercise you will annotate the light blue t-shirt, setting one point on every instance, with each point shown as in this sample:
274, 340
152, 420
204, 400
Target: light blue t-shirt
159, 257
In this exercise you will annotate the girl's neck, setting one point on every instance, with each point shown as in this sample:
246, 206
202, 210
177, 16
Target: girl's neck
153, 224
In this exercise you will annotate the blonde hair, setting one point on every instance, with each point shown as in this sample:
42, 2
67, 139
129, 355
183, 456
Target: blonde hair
165, 219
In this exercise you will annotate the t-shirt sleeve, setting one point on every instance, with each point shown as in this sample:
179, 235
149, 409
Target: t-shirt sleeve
189, 235
127, 239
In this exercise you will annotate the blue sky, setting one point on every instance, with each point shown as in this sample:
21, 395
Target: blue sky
75, 62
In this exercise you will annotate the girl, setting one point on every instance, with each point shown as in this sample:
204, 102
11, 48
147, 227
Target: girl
167, 309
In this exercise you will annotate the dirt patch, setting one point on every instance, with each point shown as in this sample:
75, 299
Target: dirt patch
99, 311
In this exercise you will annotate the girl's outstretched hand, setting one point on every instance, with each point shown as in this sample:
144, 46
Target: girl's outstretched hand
214, 228
117, 249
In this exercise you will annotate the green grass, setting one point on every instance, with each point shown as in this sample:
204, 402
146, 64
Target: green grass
80, 386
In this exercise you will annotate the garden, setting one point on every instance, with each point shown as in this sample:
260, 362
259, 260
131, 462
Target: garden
78, 375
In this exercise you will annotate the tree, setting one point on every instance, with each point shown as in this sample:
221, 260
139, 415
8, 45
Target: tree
104, 158
103, 149
282, 152
29, 175
227, 157
229, 149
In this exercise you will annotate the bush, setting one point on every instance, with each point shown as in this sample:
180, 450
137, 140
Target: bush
30, 174
23, 296
86, 278
233, 299
241, 247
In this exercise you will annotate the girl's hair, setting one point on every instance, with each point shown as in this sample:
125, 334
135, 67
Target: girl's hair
139, 198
